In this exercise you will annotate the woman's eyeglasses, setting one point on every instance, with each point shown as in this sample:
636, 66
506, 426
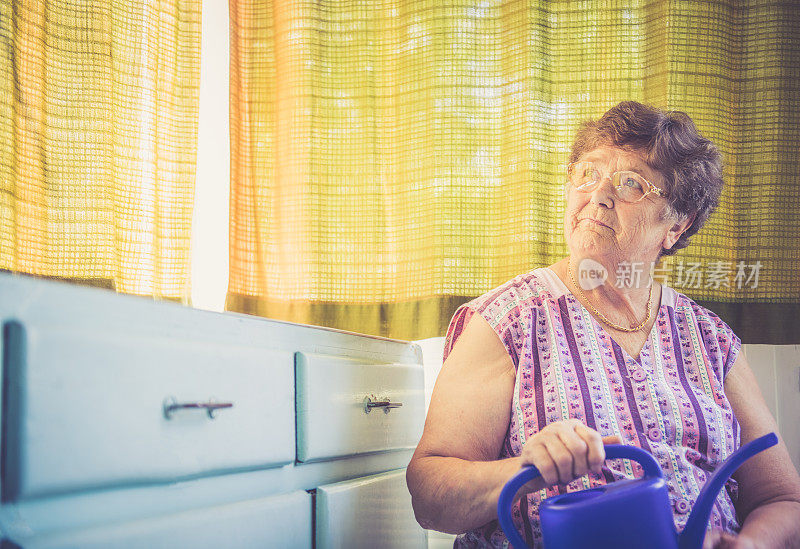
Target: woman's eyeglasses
630, 186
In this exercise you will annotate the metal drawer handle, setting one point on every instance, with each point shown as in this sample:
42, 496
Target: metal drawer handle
171, 404
384, 403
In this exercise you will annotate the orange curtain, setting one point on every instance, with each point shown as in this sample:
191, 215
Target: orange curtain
98, 124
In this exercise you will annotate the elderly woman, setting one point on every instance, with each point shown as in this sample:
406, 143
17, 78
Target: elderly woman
548, 367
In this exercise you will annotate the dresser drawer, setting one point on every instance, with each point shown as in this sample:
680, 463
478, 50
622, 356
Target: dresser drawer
370, 512
85, 409
278, 521
332, 420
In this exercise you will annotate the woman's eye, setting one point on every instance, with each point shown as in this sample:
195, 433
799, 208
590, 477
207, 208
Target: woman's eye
631, 182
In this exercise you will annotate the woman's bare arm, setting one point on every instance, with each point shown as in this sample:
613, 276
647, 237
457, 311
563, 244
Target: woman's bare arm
454, 477
769, 486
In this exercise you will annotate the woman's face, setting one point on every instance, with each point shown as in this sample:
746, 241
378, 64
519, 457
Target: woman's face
598, 224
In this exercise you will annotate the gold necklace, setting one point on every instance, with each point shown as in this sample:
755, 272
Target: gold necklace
601, 315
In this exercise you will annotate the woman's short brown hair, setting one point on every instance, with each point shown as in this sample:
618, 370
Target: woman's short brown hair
690, 164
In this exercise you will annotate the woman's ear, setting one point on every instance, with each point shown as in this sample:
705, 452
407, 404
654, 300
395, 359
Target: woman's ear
674, 233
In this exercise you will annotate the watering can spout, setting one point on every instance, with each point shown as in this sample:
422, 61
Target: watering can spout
695, 530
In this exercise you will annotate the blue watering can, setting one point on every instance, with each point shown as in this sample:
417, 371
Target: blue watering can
626, 513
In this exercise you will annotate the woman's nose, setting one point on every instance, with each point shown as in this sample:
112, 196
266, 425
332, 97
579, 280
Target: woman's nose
604, 193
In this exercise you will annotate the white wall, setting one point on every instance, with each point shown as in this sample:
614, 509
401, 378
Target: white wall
212, 184
777, 370
432, 350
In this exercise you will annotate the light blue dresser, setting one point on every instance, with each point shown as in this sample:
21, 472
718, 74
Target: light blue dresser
133, 423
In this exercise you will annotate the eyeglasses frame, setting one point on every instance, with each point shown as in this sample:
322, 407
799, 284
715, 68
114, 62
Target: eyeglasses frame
651, 188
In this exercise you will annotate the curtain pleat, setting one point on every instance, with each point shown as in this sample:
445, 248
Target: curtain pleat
98, 129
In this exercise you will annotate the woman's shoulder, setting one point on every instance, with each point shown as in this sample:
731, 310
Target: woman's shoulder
526, 289
503, 308
685, 305
718, 338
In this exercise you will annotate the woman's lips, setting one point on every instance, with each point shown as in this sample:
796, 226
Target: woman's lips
595, 222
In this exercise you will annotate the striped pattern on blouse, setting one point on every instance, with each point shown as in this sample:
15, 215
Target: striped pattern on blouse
671, 402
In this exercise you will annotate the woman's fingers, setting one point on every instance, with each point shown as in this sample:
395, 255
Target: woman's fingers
566, 450
717, 539
612, 439
578, 449
562, 458
595, 454
540, 457
712, 539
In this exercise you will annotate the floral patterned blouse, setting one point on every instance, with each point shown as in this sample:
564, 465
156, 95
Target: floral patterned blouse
670, 402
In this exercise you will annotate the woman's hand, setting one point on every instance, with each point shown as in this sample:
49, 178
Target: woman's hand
566, 450
717, 539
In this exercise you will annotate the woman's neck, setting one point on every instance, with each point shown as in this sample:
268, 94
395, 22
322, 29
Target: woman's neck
620, 290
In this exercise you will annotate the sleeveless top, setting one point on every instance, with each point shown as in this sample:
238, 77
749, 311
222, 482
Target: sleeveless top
670, 402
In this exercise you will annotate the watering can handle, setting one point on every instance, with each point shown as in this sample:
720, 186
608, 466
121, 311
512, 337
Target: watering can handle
692, 535
530, 472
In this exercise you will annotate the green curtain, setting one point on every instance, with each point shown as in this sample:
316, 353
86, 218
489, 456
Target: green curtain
392, 159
